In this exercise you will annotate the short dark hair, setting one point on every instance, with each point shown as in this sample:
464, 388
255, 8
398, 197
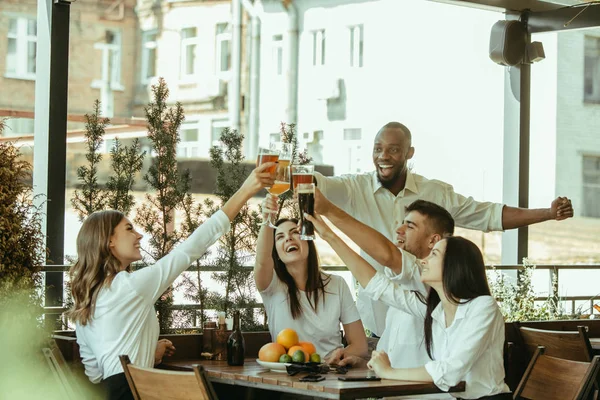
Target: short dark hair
398, 125
441, 221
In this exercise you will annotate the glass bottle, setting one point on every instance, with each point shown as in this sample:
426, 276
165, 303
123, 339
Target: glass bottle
235, 343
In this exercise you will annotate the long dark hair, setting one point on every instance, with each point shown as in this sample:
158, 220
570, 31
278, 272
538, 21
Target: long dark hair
315, 280
463, 278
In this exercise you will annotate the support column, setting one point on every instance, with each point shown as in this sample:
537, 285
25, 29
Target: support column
50, 153
517, 103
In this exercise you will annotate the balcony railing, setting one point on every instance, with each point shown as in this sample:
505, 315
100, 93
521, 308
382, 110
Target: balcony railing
553, 276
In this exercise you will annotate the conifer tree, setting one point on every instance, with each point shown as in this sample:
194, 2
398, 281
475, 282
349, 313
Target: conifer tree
91, 197
240, 243
126, 161
156, 215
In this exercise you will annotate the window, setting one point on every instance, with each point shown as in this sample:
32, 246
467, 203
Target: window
188, 147
217, 127
188, 52
352, 134
148, 55
111, 61
278, 54
19, 126
356, 46
314, 146
591, 92
223, 49
275, 137
353, 147
591, 186
21, 48
318, 48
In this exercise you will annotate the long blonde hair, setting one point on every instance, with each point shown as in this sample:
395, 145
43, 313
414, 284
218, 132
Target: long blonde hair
96, 266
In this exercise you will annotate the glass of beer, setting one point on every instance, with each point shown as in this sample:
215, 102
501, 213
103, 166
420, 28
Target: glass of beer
306, 203
282, 174
268, 154
302, 174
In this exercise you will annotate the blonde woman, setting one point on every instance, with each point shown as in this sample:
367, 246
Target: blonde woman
113, 307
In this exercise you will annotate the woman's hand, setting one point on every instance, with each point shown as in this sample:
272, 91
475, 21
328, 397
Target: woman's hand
164, 347
380, 363
269, 206
258, 179
320, 226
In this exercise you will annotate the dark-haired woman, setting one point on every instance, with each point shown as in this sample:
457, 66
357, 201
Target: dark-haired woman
298, 295
463, 329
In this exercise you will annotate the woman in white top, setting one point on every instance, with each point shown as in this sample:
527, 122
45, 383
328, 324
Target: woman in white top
463, 325
298, 295
113, 307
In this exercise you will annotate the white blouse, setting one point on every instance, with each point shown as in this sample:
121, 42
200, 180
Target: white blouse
470, 349
322, 327
124, 320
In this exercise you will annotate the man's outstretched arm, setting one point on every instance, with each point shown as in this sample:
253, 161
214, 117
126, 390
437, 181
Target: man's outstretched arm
514, 217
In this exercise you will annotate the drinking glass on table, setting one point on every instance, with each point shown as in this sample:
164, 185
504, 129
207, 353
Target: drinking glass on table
306, 204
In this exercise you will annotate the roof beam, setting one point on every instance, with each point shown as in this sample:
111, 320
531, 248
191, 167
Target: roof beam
567, 18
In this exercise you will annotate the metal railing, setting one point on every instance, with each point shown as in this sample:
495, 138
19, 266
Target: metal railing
553, 276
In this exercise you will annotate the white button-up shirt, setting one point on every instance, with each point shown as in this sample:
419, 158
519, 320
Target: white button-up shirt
363, 197
402, 339
470, 349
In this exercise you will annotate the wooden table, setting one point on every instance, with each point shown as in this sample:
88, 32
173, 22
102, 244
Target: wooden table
253, 375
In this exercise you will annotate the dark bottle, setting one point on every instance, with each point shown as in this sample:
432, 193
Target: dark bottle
235, 343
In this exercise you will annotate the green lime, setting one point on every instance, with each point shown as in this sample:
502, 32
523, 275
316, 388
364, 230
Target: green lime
298, 356
285, 359
315, 358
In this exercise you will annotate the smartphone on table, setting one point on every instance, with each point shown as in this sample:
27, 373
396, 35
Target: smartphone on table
359, 378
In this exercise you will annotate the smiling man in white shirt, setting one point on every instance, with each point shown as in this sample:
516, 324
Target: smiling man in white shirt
378, 199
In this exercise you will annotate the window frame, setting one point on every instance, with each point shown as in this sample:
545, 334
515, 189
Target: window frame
185, 42
591, 72
220, 38
319, 49
356, 44
147, 47
22, 39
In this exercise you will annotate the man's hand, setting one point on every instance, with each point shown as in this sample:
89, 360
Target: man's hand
380, 363
322, 204
338, 357
164, 347
320, 226
561, 208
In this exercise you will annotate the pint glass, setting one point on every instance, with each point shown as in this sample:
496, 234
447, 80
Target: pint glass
306, 203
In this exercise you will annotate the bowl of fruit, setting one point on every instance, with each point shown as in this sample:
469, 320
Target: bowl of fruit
287, 350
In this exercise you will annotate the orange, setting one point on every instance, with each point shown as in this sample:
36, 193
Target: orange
271, 352
294, 349
287, 338
308, 347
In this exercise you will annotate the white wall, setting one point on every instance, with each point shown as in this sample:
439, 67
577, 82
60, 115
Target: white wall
578, 123
425, 64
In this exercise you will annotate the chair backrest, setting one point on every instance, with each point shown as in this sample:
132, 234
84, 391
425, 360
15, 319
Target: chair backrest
569, 345
61, 371
552, 378
157, 384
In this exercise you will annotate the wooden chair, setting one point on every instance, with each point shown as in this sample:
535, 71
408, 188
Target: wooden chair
552, 378
569, 345
156, 384
61, 371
